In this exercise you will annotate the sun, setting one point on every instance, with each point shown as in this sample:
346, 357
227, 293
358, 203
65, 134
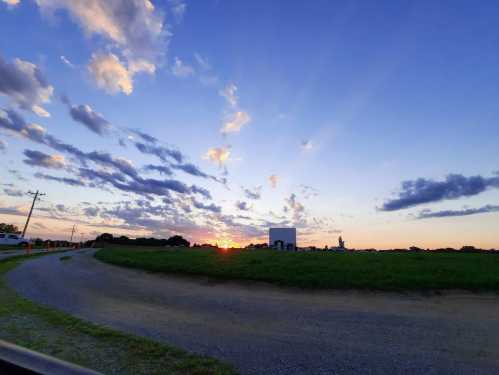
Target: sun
226, 244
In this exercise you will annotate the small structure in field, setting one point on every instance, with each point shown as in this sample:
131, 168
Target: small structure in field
340, 247
282, 238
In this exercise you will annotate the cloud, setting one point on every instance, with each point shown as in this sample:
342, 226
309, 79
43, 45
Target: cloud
229, 92
423, 191
297, 209
146, 137
184, 167
306, 145
137, 185
243, 206
178, 9
40, 159
202, 191
256, 193
91, 211
3, 145
17, 175
218, 155
94, 121
190, 169
63, 180
202, 62
274, 179
12, 211
67, 62
235, 122
308, 191
13, 192
206, 75
141, 65
110, 74
25, 86
427, 214
128, 178
180, 69
210, 207
12, 2
132, 25
159, 168
162, 152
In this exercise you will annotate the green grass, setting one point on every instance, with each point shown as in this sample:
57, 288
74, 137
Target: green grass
58, 334
376, 271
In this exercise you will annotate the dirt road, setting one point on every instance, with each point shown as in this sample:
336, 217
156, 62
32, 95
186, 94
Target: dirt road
263, 329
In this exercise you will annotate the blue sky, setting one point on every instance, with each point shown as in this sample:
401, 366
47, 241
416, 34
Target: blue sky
341, 101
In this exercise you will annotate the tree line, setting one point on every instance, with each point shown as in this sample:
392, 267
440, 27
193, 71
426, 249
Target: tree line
176, 240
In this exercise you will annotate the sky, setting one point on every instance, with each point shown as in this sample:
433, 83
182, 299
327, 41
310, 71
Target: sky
216, 120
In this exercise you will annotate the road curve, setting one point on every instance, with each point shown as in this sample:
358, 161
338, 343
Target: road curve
263, 329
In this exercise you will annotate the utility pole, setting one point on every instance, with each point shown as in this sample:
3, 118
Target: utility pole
35, 197
72, 232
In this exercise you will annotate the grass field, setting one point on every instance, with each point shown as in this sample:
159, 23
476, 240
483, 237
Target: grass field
376, 271
18, 247
60, 335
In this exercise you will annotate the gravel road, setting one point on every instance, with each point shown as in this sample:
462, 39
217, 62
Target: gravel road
263, 329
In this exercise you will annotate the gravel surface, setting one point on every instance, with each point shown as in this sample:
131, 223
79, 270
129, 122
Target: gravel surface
264, 329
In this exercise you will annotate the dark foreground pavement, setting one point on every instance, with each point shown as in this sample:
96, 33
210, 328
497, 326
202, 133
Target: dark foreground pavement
263, 329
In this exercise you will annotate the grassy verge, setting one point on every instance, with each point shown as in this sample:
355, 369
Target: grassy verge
60, 335
18, 247
377, 271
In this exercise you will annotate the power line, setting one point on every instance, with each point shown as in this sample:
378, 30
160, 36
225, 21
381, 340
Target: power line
35, 198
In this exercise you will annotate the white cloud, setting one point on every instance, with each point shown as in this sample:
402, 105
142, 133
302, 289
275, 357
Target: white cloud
237, 118
236, 122
141, 65
23, 83
178, 9
206, 75
202, 62
230, 94
111, 75
12, 2
218, 155
67, 62
180, 69
274, 179
133, 25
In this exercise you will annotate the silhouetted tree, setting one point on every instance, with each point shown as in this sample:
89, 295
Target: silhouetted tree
178, 241
105, 237
9, 228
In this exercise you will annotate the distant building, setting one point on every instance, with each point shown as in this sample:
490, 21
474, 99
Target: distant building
282, 238
341, 246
